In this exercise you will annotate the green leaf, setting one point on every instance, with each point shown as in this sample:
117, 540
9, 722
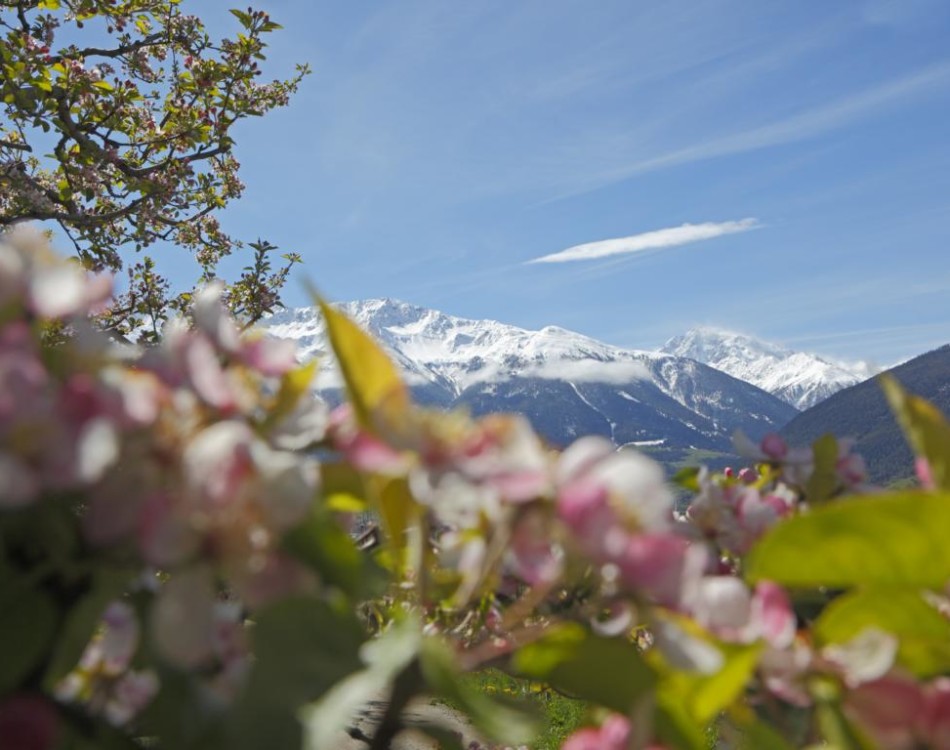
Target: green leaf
840, 732
924, 425
321, 544
675, 727
81, 624
28, 619
385, 657
179, 714
244, 18
502, 722
376, 391
923, 633
303, 647
704, 696
608, 671
757, 735
687, 478
898, 539
824, 479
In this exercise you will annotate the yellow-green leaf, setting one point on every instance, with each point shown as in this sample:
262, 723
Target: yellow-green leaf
924, 425
823, 480
893, 540
706, 695
293, 386
399, 514
376, 391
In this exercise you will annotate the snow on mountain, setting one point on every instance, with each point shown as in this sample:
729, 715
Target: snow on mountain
798, 378
567, 384
432, 347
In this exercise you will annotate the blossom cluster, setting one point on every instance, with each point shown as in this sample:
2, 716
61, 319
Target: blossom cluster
192, 467
182, 458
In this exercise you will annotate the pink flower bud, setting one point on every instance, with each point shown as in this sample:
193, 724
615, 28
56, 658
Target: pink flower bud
924, 473
748, 476
774, 446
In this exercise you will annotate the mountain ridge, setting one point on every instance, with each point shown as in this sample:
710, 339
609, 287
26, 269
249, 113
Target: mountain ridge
798, 378
566, 383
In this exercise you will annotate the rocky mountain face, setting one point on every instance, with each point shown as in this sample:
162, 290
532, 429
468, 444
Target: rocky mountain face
567, 384
798, 378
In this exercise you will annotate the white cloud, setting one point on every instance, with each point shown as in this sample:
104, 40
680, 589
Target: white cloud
657, 239
590, 371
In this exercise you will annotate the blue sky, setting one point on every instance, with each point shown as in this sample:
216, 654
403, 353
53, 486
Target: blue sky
440, 146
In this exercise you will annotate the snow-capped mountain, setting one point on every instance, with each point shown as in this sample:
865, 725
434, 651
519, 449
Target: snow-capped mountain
567, 384
798, 378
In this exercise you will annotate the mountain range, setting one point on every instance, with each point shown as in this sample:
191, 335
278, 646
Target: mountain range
567, 384
798, 378
681, 403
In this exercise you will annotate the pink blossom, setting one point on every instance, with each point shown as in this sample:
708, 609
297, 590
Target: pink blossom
217, 463
613, 734
774, 446
632, 485
207, 376
129, 696
924, 473
279, 577
182, 619
725, 605
660, 565
368, 453
748, 476
305, 425
535, 558
889, 708
584, 507
784, 671
721, 603
771, 615
165, 535
268, 356
119, 637
212, 318
502, 452
865, 658
934, 722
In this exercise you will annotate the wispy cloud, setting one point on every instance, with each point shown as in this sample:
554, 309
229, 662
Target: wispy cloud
807, 124
657, 239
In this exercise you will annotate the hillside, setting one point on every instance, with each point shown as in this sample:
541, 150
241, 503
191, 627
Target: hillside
861, 412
